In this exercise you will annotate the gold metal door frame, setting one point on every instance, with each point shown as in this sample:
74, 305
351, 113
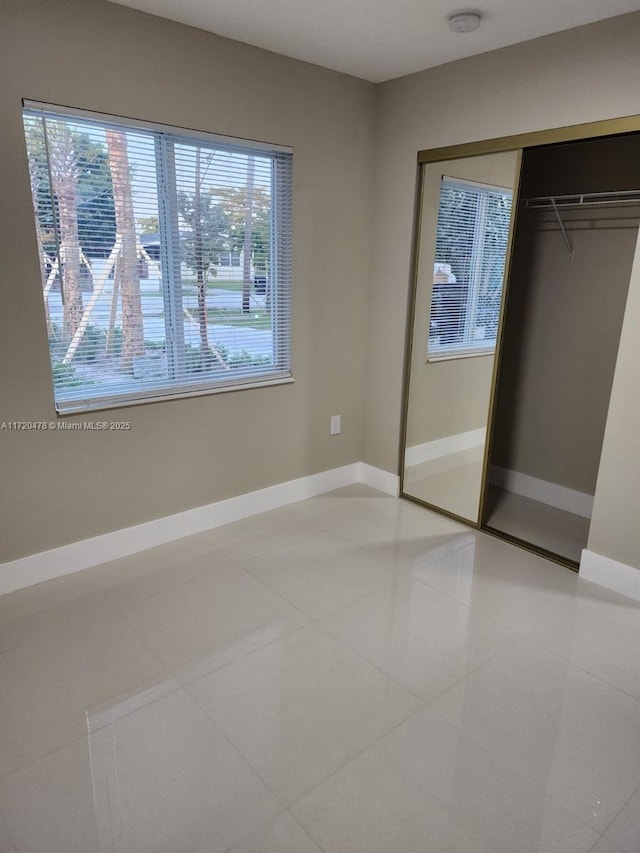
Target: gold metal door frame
570, 133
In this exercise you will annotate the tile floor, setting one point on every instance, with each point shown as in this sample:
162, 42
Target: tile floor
350, 673
546, 526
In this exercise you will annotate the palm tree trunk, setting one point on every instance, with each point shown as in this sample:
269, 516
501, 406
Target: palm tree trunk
64, 176
39, 240
128, 279
64, 181
70, 254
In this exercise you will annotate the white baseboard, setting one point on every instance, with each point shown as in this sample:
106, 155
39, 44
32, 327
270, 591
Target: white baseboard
420, 453
552, 494
384, 481
611, 574
47, 565
76, 556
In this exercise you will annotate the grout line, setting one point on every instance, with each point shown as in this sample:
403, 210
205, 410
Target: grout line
244, 758
238, 752
188, 682
370, 663
306, 831
31, 761
563, 658
617, 814
349, 758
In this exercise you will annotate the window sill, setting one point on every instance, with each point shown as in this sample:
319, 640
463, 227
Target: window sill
454, 355
104, 404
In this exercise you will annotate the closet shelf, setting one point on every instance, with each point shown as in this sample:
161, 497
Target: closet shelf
559, 202
581, 200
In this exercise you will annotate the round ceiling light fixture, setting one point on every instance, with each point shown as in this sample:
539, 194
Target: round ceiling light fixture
464, 21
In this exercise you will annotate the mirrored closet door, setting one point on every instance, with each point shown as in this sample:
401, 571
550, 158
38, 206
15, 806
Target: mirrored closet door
462, 247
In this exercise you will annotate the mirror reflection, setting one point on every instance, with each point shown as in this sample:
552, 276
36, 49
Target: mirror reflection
462, 249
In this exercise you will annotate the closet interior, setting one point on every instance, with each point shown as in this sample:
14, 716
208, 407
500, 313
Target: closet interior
574, 241
522, 263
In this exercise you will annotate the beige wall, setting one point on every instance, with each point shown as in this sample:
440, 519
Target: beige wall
452, 396
585, 74
561, 342
615, 527
61, 487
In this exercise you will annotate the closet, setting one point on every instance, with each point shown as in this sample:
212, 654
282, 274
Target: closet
575, 234
523, 251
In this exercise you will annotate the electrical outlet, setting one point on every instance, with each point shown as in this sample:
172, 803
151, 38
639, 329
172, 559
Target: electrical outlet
336, 425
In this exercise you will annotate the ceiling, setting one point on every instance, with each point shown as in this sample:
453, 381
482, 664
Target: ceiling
379, 39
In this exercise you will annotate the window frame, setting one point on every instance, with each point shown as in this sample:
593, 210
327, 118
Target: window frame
458, 350
165, 136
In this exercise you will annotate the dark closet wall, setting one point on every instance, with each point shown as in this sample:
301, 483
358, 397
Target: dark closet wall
597, 165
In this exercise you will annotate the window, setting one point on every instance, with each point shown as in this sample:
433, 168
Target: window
165, 258
471, 245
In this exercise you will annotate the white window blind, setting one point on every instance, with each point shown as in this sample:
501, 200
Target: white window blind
165, 258
471, 244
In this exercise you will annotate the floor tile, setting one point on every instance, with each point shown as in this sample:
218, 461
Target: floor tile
603, 845
201, 619
43, 597
147, 562
323, 505
321, 573
423, 639
158, 780
545, 526
49, 804
301, 707
368, 807
6, 845
341, 511
598, 631
41, 624
400, 537
569, 733
354, 493
246, 528
397, 507
357, 490
349, 504
47, 686
513, 586
495, 803
281, 835
625, 829
271, 540
166, 578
